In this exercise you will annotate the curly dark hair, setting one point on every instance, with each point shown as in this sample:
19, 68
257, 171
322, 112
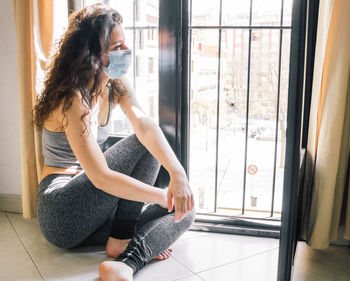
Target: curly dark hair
77, 64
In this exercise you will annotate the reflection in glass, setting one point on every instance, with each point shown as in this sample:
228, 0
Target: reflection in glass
203, 104
233, 98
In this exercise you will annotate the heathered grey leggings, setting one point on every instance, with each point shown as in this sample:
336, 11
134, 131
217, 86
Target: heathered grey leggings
72, 212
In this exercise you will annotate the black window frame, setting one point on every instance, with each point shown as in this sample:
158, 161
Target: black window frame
174, 101
174, 113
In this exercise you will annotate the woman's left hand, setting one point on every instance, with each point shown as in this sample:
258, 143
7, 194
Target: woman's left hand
180, 196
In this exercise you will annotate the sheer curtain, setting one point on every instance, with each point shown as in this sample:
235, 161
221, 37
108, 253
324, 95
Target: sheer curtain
327, 167
35, 21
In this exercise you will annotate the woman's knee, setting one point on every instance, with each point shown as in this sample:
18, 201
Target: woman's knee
132, 142
151, 160
189, 218
148, 156
147, 169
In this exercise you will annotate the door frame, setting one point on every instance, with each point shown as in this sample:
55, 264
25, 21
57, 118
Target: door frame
173, 80
290, 201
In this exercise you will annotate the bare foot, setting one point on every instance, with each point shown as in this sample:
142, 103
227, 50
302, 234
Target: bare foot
115, 271
164, 255
115, 247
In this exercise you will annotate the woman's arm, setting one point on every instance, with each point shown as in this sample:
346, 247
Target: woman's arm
151, 136
94, 164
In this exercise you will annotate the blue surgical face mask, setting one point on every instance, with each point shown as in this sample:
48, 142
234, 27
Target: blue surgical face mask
119, 62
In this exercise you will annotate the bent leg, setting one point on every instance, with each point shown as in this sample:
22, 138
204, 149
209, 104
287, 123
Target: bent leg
156, 232
128, 212
122, 223
70, 208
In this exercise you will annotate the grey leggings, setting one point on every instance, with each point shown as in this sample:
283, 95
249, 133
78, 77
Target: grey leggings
72, 212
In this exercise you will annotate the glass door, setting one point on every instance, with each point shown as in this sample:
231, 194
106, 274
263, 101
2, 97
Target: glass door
238, 91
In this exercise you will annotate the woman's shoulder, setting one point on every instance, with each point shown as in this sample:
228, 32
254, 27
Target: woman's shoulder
58, 117
79, 110
79, 102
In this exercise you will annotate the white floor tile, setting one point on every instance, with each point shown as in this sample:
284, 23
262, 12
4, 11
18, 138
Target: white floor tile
15, 262
261, 267
55, 263
192, 233
166, 270
82, 263
212, 249
190, 278
212, 256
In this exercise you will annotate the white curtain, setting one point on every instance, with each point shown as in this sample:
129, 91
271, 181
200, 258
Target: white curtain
37, 23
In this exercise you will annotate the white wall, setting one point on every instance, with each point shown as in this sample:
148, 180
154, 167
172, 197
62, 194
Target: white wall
10, 178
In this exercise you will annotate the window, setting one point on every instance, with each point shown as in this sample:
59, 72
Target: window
150, 34
137, 66
137, 10
139, 19
239, 62
139, 36
150, 65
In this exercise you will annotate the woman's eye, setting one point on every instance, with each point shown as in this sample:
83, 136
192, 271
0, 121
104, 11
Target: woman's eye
117, 48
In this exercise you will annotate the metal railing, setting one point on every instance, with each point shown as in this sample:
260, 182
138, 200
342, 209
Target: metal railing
250, 28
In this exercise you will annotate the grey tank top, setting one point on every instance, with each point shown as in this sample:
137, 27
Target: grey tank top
56, 149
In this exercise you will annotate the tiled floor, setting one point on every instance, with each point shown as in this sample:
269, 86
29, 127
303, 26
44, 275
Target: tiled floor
197, 256
26, 255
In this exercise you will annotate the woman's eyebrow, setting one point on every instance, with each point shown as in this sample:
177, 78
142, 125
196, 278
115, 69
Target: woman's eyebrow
116, 42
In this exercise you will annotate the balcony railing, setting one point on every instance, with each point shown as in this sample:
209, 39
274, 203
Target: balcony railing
238, 85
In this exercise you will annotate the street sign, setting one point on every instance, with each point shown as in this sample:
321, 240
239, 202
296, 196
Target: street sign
252, 169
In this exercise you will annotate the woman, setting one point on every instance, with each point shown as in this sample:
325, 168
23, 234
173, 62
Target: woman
90, 197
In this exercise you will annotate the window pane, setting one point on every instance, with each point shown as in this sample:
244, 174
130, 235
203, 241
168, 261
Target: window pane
146, 81
146, 12
263, 92
233, 102
203, 103
287, 12
235, 12
142, 38
120, 124
125, 8
262, 117
266, 12
205, 12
